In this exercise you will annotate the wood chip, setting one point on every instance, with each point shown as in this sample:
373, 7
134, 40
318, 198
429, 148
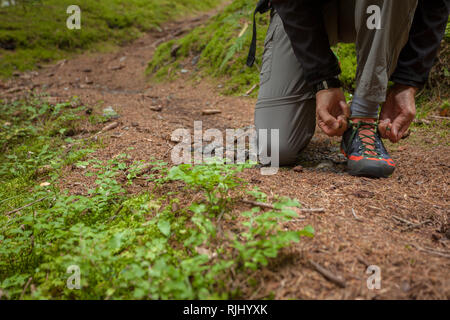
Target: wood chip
298, 169
208, 112
114, 68
156, 108
110, 126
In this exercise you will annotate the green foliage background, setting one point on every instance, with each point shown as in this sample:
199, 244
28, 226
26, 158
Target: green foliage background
152, 245
35, 31
222, 51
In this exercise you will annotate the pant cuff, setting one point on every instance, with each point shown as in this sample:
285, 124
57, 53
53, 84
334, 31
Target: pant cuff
362, 108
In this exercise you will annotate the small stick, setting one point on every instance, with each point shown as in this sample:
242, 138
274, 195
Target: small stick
403, 220
109, 127
270, 206
243, 30
25, 288
328, 275
417, 225
432, 252
440, 118
356, 217
25, 206
422, 121
363, 261
219, 225
116, 213
250, 90
411, 225
208, 112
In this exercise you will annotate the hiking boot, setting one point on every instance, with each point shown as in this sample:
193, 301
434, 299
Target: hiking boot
366, 154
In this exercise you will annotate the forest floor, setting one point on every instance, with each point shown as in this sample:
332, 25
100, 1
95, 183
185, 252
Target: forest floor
400, 224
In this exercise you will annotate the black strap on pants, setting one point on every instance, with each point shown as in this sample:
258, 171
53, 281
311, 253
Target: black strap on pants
262, 7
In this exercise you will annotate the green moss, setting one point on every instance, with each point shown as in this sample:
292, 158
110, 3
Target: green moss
346, 53
36, 32
221, 52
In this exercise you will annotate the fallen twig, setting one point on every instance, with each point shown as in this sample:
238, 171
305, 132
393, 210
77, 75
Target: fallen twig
209, 112
109, 127
25, 288
272, 207
422, 121
403, 220
363, 261
432, 252
411, 225
439, 117
25, 206
250, 90
417, 225
328, 274
243, 30
356, 217
219, 225
116, 213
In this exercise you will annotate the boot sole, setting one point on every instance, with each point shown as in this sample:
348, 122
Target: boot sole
370, 168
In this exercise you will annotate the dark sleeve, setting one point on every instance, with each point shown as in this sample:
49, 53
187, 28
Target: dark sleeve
304, 25
418, 56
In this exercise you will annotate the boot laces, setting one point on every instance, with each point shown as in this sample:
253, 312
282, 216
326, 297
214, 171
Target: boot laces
367, 132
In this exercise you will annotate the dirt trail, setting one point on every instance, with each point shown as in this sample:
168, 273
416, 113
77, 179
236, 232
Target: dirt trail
414, 259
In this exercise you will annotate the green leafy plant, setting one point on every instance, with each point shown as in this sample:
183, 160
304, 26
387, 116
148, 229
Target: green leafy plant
215, 180
152, 245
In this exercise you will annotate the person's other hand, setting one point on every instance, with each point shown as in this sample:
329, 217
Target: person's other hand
398, 112
332, 111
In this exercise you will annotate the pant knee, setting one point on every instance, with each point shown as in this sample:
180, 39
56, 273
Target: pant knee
285, 153
288, 156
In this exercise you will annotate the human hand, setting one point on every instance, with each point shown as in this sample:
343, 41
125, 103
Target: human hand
398, 112
332, 111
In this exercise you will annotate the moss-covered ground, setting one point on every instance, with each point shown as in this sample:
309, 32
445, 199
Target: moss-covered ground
34, 31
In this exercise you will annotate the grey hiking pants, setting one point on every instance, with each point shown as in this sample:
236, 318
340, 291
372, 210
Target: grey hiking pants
287, 103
